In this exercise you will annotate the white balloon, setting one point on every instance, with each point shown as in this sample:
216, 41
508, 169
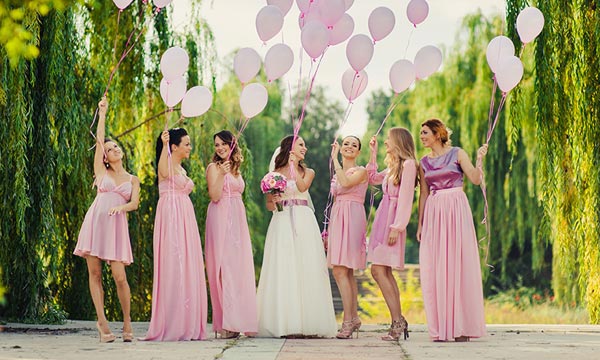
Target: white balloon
246, 64
348, 4
253, 99
196, 101
402, 75
174, 63
278, 61
342, 30
283, 5
427, 61
314, 38
499, 48
172, 91
417, 11
161, 3
269, 22
305, 18
381, 22
122, 4
331, 11
510, 72
354, 84
304, 5
530, 23
359, 51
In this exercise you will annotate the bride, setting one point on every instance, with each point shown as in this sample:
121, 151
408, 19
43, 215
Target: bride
294, 293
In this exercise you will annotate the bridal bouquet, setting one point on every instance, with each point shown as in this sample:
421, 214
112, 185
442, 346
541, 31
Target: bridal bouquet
274, 183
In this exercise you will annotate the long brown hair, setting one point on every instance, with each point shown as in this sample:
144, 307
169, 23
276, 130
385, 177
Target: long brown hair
439, 128
281, 160
402, 148
236, 157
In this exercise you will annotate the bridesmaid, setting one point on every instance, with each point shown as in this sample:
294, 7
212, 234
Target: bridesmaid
104, 234
388, 235
229, 260
448, 254
179, 301
346, 241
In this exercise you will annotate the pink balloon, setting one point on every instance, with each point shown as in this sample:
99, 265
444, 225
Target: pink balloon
402, 75
122, 4
342, 30
510, 72
269, 22
331, 11
314, 38
283, 5
174, 63
417, 11
246, 64
530, 23
278, 61
381, 23
348, 4
305, 18
172, 91
305, 5
359, 51
427, 61
161, 3
196, 101
253, 99
499, 47
354, 83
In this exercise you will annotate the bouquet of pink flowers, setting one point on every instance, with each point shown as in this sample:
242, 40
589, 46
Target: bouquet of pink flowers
273, 183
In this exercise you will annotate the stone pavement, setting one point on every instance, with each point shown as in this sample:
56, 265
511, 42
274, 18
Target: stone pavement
79, 340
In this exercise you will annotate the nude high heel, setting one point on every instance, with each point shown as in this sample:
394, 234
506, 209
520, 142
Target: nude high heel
105, 338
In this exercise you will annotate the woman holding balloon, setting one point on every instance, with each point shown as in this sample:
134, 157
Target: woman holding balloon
448, 254
229, 260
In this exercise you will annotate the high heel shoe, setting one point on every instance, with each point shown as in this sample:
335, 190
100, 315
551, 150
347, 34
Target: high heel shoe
462, 339
105, 338
398, 327
127, 336
356, 323
346, 331
226, 334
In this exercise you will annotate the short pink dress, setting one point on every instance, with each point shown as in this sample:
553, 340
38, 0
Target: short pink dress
103, 235
448, 254
393, 213
229, 261
348, 225
179, 300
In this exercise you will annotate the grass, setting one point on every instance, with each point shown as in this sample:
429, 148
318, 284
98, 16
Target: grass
518, 306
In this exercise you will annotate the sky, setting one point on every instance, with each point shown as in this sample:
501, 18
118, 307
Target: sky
233, 23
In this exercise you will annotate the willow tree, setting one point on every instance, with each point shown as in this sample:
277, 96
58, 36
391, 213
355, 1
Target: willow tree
567, 109
48, 104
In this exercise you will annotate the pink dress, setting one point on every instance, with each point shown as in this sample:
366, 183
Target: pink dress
179, 301
393, 213
229, 261
348, 225
448, 255
103, 235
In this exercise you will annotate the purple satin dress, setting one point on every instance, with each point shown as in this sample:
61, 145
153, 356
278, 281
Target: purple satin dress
449, 256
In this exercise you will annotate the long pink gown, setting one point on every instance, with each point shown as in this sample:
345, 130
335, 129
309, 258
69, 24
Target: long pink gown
393, 213
179, 301
103, 235
229, 261
348, 225
448, 255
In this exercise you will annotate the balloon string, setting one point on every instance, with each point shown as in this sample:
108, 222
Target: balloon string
236, 139
495, 122
408, 41
395, 101
492, 104
117, 33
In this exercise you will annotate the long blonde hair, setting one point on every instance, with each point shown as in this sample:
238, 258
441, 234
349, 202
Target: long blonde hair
402, 148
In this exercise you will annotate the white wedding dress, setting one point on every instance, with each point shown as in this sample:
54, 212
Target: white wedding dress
294, 293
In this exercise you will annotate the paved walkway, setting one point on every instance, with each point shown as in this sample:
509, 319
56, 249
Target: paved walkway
79, 340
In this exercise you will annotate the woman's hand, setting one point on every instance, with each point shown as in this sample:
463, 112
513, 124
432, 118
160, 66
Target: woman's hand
102, 106
225, 167
165, 137
393, 237
115, 210
292, 158
482, 151
419, 234
335, 150
373, 144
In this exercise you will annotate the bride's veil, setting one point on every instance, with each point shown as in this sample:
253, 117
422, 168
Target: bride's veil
272, 168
